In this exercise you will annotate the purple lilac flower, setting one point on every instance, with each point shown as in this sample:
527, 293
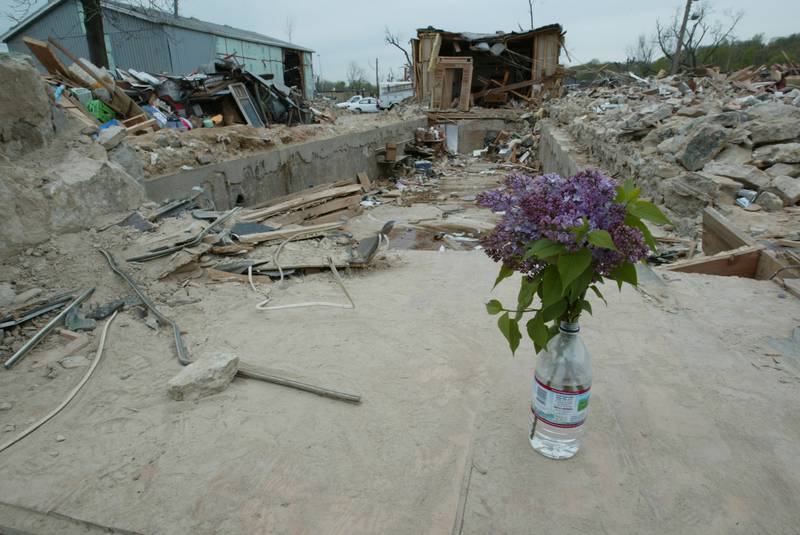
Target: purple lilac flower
548, 206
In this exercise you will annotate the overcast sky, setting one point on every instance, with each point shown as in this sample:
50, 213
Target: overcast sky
353, 31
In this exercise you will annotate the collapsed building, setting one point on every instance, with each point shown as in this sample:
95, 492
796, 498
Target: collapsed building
460, 69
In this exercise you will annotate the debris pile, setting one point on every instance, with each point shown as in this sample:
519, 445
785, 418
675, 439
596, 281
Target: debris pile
695, 140
55, 177
133, 101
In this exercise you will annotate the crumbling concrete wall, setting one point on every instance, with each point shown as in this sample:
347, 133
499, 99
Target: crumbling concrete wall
284, 170
54, 178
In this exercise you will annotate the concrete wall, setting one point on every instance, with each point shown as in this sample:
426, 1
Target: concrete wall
285, 170
558, 153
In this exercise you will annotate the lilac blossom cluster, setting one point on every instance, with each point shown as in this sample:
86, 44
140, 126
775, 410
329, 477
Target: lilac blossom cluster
549, 206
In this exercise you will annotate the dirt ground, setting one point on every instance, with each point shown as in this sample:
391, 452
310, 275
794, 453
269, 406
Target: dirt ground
692, 427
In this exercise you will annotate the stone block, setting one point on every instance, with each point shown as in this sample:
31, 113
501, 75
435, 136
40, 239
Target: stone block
787, 188
701, 146
770, 202
203, 377
747, 175
780, 153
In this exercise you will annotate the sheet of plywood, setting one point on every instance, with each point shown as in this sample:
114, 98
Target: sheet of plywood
741, 262
719, 234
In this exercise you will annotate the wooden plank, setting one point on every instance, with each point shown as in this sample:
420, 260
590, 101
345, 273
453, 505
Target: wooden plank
224, 276
120, 102
505, 88
295, 204
141, 127
719, 234
310, 231
363, 178
331, 206
769, 264
47, 58
340, 216
739, 263
298, 194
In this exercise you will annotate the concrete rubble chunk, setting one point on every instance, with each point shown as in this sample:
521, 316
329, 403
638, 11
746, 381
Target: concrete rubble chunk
688, 194
112, 136
76, 361
205, 376
726, 191
780, 153
6, 405
7, 294
775, 130
734, 154
27, 295
770, 202
701, 146
783, 169
748, 175
787, 188
126, 157
27, 122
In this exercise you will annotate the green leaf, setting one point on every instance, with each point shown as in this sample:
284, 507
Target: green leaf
587, 306
649, 211
627, 192
505, 272
526, 292
510, 329
578, 287
554, 311
596, 291
601, 238
550, 251
570, 266
551, 286
581, 231
537, 331
534, 248
494, 307
624, 273
633, 221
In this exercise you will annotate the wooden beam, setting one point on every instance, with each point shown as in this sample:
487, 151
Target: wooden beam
310, 231
719, 234
739, 263
299, 202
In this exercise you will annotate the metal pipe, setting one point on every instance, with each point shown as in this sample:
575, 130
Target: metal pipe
52, 324
180, 347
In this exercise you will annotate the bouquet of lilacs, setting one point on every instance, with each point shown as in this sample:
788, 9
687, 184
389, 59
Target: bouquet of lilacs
565, 236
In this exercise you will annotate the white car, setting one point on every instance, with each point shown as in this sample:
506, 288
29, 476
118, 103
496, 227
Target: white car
349, 102
366, 105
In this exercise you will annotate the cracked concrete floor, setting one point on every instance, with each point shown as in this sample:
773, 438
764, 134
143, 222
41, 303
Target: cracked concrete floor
692, 427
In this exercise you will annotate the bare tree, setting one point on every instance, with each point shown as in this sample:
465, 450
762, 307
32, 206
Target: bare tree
355, 74
18, 10
641, 52
289, 27
702, 36
530, 10
393, 39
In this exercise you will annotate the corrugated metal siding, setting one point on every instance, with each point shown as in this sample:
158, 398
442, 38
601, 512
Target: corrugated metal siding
189, 49
64, 23
136, 43
257, 58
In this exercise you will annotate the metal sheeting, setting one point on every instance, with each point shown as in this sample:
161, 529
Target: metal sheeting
189, 49
62, 22
257, 58
137, 44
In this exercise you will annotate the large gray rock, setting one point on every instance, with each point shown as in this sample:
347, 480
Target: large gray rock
126, 157
783, 169
203, 377
781, 153
748, 175
787, 188
688, 194
775, 130
111, 136
734, 154
26, 118
701, 146
726, 191
770, 202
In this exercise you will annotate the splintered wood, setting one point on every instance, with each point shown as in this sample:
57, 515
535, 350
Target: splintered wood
330, 204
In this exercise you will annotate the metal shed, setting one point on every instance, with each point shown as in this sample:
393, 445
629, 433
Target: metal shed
159, 42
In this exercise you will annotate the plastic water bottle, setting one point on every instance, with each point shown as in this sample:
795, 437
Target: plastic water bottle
560, 400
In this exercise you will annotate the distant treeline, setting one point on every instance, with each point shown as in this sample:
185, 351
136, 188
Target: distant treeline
729, 56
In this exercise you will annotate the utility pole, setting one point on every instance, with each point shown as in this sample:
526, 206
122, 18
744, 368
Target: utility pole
377, 80
530, 9
676, 58
175, 7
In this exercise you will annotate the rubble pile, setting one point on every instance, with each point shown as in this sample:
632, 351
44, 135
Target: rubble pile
55, 177
694, 141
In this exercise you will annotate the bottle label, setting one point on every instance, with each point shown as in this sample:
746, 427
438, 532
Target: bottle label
559, 408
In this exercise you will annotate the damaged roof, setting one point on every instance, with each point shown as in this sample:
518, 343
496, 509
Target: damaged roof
162, 17
497, 36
